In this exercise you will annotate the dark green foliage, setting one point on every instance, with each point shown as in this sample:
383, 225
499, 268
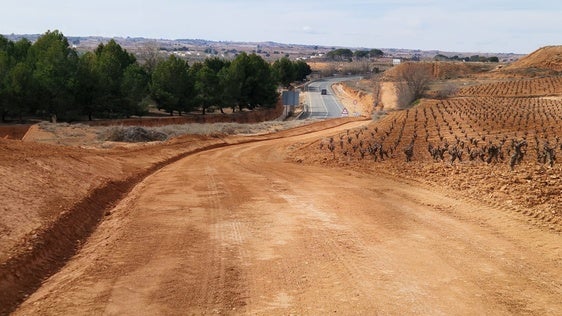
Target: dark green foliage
259, 87
54, 66
110, 82
88, 90
110, 66
49, 79
474, 58
284, 71
134, 88
287, 71
441, 57
249, 81
362, 54
171, 86
373, 53
18, 85
230, 81
208, 88
15, 78
6, 64
342, 54
302, 70
376, 53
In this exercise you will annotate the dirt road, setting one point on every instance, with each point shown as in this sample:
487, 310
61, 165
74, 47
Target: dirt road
237, 230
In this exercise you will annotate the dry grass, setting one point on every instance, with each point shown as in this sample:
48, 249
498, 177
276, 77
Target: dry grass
162, 133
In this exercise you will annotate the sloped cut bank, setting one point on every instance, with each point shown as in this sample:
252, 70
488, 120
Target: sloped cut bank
55, 244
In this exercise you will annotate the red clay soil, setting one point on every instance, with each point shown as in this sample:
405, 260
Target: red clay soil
13, 131
532, 188
488, 112
238, 230
548, 57
442, 70
467, 221
54, 197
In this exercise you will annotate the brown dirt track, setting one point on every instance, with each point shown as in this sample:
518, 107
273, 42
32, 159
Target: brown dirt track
53, 197
237, 230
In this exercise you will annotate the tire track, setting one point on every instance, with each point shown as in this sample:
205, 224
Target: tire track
226, 289
277, 239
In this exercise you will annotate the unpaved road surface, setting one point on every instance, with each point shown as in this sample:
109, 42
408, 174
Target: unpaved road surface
237, 230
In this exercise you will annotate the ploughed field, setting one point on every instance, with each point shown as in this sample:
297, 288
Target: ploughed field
499, 142
526, 87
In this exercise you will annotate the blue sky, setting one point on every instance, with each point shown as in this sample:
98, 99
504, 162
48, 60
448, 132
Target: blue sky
491, 26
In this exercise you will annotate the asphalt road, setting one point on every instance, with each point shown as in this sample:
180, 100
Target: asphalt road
323, 106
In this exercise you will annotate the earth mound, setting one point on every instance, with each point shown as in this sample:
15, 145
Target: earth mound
547, 58
442, 70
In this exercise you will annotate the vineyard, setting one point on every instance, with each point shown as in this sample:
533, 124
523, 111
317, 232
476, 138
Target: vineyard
497, 141
485, 129
517, 88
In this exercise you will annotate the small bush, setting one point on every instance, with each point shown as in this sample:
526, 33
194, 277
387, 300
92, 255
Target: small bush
133, 134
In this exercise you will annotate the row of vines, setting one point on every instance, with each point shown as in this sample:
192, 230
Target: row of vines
512, 88
478, 129
482, 143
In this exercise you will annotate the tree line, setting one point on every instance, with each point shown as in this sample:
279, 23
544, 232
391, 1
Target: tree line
49, 78
473, 58
345, 54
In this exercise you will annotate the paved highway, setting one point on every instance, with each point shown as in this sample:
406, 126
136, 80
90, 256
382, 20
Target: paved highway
322, 106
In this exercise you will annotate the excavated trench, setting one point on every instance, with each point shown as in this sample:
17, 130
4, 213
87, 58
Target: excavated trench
55, 244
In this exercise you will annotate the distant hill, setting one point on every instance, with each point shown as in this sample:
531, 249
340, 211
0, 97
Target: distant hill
200, 48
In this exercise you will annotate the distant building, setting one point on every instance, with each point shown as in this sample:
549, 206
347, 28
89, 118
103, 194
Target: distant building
396, 62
